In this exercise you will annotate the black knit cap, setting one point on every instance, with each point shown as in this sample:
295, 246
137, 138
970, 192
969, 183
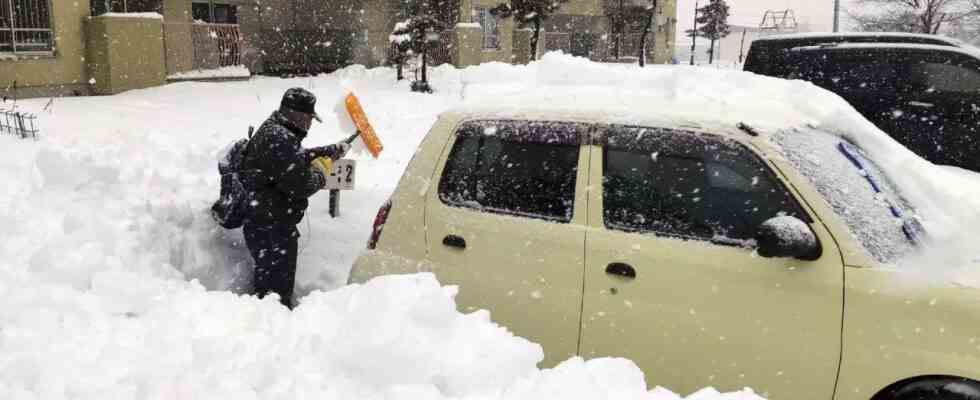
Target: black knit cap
299, 99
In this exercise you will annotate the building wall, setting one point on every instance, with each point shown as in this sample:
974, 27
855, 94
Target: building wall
474, 47
61, 73
125, 53
661, 40
583, 7
178, 41
379, 20
294, 33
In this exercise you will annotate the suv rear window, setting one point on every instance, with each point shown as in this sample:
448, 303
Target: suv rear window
518, 168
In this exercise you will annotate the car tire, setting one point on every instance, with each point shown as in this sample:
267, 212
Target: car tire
936, 388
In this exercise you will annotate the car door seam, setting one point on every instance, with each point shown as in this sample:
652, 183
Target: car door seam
585, 239
433, 176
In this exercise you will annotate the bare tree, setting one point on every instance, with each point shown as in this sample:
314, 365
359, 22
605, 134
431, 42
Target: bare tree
917, 16
629, 17
648, 10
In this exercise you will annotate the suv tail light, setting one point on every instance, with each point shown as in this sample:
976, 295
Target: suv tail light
379, 224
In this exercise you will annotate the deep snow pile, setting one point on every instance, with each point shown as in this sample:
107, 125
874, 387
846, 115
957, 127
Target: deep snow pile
111, 272
393, 338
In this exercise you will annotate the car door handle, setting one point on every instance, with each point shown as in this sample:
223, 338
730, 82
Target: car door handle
454, 241
622, 270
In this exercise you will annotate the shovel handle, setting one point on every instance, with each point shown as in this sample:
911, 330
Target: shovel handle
352, 137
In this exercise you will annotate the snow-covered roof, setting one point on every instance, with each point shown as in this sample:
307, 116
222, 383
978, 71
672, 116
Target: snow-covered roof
966, 50
576, 88
815, 35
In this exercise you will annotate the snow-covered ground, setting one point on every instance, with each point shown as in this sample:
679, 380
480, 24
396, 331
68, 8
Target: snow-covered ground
114, 281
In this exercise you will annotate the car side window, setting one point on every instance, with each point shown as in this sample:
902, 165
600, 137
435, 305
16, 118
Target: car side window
946, 78
520, 168
688, 185
849, 74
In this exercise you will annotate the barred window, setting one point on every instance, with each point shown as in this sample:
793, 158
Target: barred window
100, 7
491, 27
25, 26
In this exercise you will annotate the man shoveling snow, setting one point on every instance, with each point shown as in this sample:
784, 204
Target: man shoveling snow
279, 176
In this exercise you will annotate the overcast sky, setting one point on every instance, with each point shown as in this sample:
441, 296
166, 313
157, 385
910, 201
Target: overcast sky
818, 13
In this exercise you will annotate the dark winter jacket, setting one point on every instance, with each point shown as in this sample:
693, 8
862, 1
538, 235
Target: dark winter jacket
277, 174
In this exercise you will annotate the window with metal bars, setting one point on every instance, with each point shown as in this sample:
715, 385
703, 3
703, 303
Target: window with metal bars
100, 7
25, 26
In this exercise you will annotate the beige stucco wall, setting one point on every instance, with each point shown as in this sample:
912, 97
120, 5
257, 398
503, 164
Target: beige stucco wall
469, 44
378, 18
61, 73
582, 7
125, 53
179, 45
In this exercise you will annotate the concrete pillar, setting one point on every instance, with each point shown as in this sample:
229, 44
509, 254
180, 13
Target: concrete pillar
125, 53
178, 41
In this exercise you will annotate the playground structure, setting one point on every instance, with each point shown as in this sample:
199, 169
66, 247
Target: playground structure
778, 22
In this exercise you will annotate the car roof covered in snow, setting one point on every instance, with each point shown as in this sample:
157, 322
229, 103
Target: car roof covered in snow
677, 97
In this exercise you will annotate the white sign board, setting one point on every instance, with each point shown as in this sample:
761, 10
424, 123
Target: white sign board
342, 177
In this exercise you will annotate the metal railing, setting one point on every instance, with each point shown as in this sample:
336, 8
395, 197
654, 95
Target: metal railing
440, 53
216, 45
25, 26
18, 123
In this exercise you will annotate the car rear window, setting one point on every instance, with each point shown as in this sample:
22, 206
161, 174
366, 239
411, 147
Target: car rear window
519, 168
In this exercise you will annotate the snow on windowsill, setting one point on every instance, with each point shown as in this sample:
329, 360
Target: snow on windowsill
236, 71
39, 55
469, 25
144, 15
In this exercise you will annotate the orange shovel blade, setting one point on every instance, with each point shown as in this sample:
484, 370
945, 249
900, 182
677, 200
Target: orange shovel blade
360, 119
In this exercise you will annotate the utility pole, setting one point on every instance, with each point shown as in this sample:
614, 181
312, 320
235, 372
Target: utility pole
741, 48
836, 16
694, 32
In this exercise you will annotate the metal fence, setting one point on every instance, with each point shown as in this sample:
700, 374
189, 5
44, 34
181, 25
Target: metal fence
440, 53
18, 124
216, 45
25, 26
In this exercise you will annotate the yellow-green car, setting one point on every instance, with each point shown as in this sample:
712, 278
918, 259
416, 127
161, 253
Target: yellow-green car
708, 254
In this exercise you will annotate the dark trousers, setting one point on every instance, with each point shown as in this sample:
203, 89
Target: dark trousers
274, 250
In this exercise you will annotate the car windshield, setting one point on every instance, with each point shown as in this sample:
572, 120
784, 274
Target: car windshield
857, 188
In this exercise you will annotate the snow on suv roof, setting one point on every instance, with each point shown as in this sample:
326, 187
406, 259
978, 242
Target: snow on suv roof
967, 50
892, 37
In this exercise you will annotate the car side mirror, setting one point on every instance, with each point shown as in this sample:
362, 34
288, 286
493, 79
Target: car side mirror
787, 237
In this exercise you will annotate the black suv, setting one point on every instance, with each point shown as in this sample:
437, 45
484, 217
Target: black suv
923, 90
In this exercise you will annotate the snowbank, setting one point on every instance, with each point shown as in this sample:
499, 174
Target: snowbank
393, 338
113, 278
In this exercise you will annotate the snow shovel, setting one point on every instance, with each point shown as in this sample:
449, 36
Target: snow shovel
364, 128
